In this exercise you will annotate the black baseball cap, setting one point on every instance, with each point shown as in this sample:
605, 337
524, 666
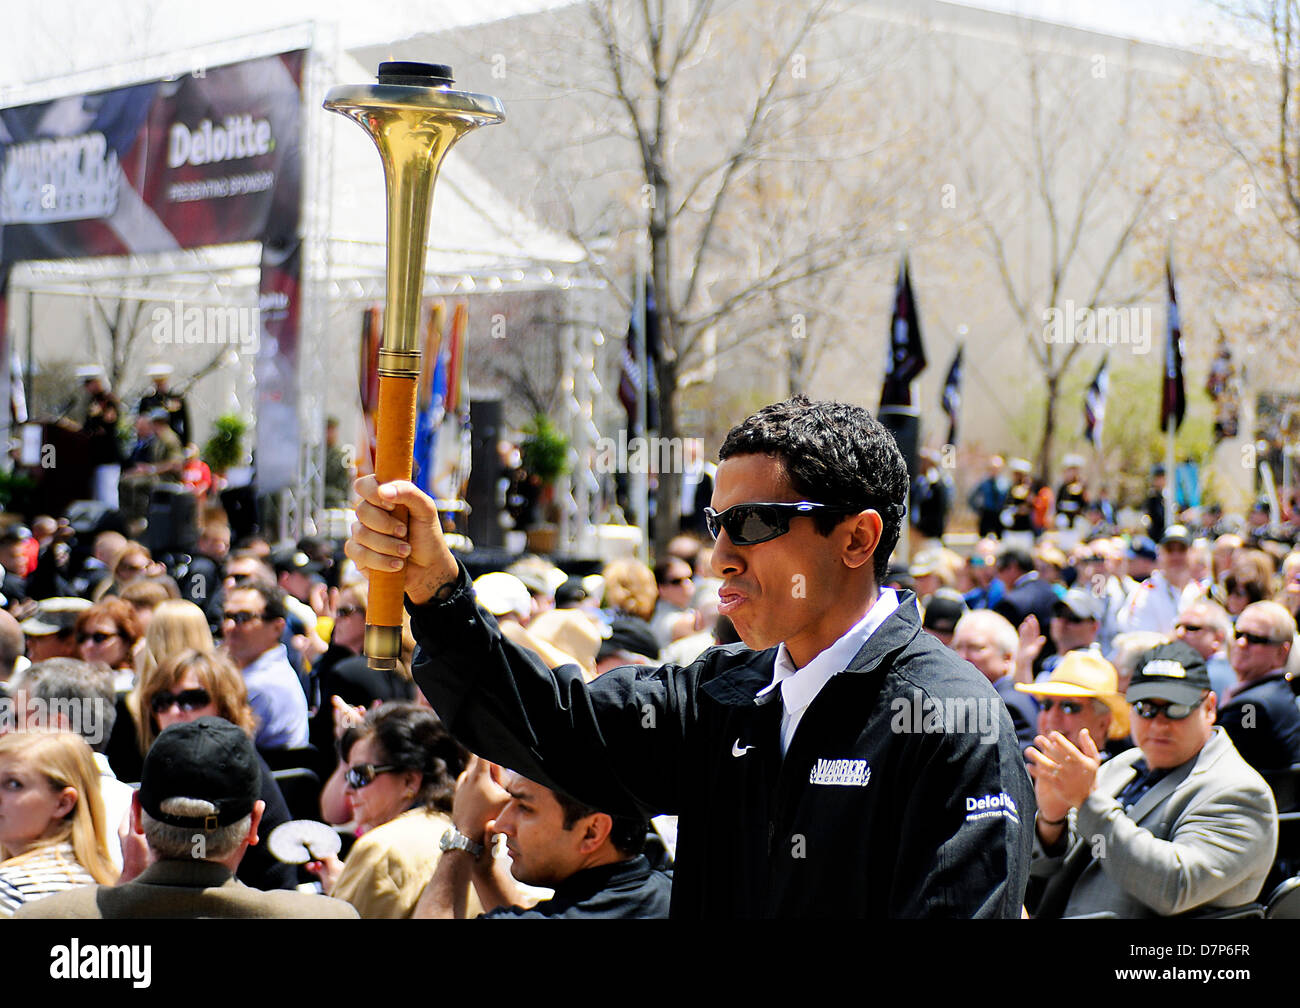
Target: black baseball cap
631, 635
208, 759
1174, 671
290, 560
943, 610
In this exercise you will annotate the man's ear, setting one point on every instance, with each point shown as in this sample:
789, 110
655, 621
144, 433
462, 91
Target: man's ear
137, 826
259, 807
864, 538
595, 831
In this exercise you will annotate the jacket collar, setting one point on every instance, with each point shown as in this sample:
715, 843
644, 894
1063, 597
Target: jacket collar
743, 683
1198, 764
187, 874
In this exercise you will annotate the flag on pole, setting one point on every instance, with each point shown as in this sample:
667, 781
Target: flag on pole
629, 381
368, 374
950, 398
906, 352
1173, 396
430, 400
1094, 405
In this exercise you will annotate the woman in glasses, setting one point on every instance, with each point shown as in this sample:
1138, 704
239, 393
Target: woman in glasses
53, 831
191, 684
109, 632
176, 626
400, 767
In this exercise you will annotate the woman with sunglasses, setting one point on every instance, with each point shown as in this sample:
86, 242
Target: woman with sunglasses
53, 831
400, 767
192, 684
176, 626
109, 632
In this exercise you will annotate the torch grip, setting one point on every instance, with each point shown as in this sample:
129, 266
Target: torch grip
394, 445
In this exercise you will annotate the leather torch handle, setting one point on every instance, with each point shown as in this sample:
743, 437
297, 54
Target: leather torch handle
395, 444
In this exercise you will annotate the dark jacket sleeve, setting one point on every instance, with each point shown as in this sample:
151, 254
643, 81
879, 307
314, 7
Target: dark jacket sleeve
615, 744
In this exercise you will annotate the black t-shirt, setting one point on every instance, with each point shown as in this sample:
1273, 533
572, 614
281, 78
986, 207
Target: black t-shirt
623, 890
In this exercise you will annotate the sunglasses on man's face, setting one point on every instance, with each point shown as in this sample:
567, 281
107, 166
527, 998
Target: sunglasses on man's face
188, 700
1068, 707
362, 774
343, 612
1254, 638
240, 618
751, 524
1148, 709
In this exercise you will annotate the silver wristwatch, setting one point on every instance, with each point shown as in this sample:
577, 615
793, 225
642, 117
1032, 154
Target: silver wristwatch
454, 839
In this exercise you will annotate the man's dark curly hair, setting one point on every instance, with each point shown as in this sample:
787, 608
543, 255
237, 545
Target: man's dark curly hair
834, 453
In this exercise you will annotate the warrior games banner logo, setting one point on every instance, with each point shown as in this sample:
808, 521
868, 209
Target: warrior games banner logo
207, 158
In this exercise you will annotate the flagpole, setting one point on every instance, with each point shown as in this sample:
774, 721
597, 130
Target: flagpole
1169, 472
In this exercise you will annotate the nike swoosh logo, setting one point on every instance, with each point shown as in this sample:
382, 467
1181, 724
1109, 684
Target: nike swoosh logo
737, 751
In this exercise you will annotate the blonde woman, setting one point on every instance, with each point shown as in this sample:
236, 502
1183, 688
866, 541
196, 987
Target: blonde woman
176, 626
53, 832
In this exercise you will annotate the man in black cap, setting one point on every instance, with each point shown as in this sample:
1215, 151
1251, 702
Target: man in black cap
198, 810
1178, 823
942, 611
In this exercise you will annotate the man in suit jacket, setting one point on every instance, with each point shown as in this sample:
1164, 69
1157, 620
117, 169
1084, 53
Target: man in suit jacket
1027, 594
988, 641
198, 810
1260, 712
1181, 822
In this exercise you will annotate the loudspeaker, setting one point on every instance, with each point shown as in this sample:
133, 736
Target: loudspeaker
486, 425
173, 521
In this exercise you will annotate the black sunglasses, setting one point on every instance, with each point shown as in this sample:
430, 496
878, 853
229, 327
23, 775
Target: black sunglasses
1254, 638
98, 638
187, 700
343, 612
359, 776
240, 618
1068, 707
1148, 709
751, 524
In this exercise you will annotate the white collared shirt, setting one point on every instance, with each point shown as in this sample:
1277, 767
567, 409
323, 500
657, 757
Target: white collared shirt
800, 686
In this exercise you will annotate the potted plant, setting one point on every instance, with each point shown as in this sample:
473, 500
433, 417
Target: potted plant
544, 456
225, 448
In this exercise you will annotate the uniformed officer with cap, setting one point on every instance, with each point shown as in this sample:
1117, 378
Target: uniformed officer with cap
1072, 495
178, 414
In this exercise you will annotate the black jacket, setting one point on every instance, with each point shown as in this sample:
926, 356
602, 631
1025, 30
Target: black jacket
1264, 723
875, 811
626, 889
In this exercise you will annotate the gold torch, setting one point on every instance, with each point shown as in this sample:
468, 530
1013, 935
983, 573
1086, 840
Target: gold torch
414, 117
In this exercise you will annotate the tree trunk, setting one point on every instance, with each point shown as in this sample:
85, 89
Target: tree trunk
1049, 427
668, 510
